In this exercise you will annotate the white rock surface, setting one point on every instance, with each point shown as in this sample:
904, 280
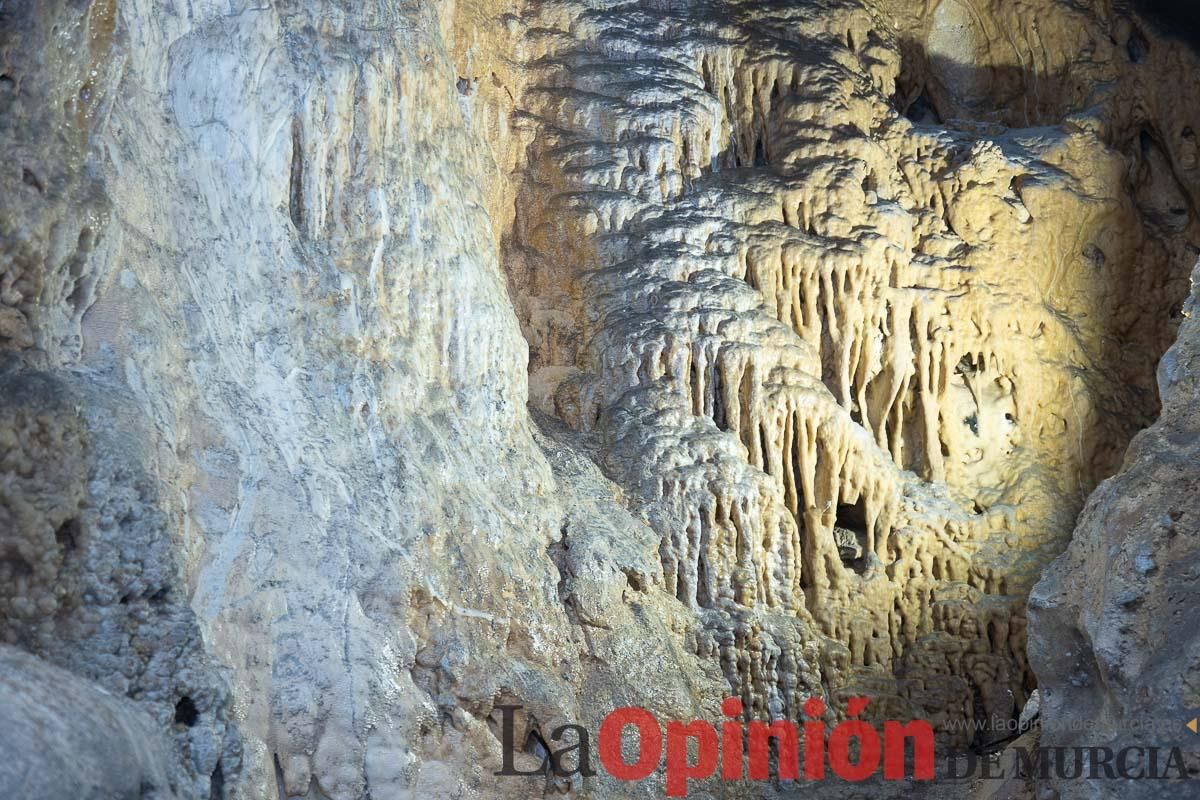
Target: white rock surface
370, 365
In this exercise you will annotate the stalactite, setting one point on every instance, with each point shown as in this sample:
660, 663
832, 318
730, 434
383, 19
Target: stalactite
820, 329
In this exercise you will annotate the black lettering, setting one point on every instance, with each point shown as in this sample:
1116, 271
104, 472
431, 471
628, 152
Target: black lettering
952, 757
1100, 757
583, 762
989, 773
1123, 767
1175, 759
1037, 766
507, 748
1060, 763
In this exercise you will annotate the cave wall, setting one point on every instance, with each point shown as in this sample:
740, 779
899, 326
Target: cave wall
1111, 638
371, 365
835, 288
270, 478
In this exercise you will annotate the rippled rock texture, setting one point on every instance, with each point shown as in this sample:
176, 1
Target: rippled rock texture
370, 365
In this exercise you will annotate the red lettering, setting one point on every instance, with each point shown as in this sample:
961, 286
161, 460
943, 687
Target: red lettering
894, 737
731, 740
868, 745
649, 743
787, 743
814, 740
678, 768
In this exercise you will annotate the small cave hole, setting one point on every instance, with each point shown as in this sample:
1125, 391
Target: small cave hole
634, 580
536, 746
1137, 47
16, 565
853, 515
1017, 185
870, 183
765, 448
702, 590
1146, 142
681, 591
29, 178
216, 786
720, 418
760, 153
67, 535
185, 712
86, 241
972, 423
856, 413
922, 111
967, 367
1095, 255
296, 176
850, 535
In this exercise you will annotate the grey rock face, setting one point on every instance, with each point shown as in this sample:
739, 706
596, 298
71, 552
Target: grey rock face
293, 439
62, 736
92, 578
1113, 634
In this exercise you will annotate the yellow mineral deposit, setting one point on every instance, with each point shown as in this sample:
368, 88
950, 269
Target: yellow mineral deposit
824, 272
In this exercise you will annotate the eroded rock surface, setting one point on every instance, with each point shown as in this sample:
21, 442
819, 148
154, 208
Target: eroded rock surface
1114, 643
373, 365
821, 271
64, 737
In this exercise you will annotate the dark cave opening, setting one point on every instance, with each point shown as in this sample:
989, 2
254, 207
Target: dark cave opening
186, 713
850, 534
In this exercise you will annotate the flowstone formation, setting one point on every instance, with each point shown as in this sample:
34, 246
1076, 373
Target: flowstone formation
861, 302
369, 366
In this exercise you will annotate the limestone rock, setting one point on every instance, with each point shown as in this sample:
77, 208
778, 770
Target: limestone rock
372, 366
91, 574
62, 736
1114, 646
